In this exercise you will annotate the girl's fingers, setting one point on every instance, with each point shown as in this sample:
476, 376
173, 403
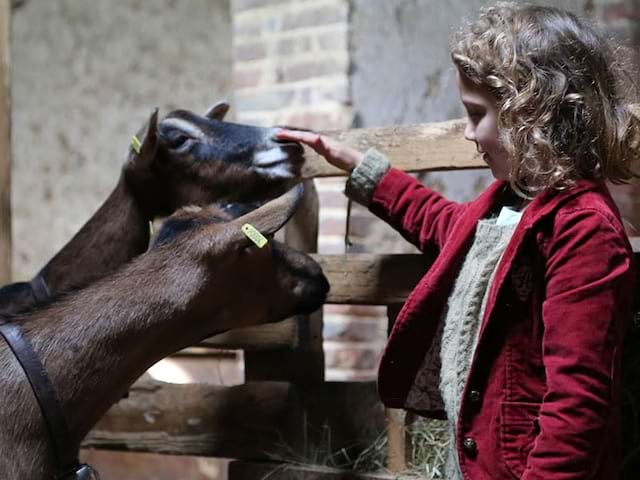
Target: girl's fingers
333, 151
297, 136
313, 140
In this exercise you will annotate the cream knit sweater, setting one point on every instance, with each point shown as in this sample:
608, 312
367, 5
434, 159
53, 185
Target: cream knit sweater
462, 320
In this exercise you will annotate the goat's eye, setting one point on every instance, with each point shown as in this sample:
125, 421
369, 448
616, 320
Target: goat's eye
178, 141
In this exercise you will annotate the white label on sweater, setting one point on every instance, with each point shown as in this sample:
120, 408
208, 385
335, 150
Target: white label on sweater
508, 216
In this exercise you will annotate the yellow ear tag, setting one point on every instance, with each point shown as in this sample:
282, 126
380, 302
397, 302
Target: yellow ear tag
151, 228
136, 144
254, 235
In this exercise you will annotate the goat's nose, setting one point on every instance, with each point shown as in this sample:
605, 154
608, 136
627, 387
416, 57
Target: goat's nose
314, 294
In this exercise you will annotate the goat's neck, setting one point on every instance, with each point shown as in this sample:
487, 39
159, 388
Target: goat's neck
117, 232
104, 337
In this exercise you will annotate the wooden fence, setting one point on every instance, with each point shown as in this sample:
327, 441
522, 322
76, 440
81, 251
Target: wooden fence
286, 413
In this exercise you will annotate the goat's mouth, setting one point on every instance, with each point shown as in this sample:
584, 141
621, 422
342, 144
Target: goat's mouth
283, 160
314, 295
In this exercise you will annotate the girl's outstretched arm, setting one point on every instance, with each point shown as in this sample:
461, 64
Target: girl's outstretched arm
420, 214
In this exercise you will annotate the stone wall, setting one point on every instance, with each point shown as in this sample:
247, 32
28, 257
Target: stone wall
85, 76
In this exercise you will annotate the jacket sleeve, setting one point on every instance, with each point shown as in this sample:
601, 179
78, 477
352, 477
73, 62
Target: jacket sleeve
421, 215
589, 276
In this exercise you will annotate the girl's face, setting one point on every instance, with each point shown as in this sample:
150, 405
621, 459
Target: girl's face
482, 125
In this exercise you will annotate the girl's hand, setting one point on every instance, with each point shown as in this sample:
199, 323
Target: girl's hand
336, 153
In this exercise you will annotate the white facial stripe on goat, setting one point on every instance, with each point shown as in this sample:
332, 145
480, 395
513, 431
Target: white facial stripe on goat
280, 170
269, 158
187, 127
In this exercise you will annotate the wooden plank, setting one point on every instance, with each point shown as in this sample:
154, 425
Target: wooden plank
240, 470
397, 448
5, 142
274, 336
370, 279
422, 147
243, 421
303, 361
258, 420
360, 279
412, 148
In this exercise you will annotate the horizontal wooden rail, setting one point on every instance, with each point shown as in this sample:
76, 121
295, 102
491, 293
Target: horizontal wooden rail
358, 279
258, 420
370, 279
412, 148
423, 147
273, 336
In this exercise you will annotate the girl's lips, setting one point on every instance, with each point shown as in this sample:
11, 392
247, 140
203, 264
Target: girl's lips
485, 157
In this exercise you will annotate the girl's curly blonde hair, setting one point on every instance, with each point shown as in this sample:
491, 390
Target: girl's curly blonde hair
561, 114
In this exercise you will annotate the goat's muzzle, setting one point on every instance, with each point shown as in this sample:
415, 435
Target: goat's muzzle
314, 294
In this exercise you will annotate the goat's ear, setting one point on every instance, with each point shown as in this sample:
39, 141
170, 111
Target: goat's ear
145, 152
271, 217
218, 110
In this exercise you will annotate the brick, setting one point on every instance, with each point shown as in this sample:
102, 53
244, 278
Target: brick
355, 358
354, 331
314, 17
311, 69
249, 52
246, 29
334, 40
242, 5
357, 310
293, 45
317, 120
247, 78
350, 375
268, 100
312, 120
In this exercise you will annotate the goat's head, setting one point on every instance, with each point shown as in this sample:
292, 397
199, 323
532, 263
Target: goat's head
244, 284
188, 159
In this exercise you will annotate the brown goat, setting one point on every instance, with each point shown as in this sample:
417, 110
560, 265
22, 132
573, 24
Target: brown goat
200, 276
184, 160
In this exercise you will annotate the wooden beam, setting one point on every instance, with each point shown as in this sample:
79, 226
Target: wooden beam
423, 147
257, 420
5, 142
412, 148
273, 336
240, 470
370, 279
359, 279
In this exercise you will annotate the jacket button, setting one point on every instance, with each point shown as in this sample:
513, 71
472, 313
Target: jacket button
474, 396
470, 446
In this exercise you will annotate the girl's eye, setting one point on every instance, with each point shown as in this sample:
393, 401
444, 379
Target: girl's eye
475, 116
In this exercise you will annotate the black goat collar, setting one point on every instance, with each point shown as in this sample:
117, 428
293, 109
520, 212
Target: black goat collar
68, 466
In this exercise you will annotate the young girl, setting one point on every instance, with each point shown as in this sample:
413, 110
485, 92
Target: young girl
516, 330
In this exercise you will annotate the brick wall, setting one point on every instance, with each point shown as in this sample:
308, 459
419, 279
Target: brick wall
335, 64
291, 67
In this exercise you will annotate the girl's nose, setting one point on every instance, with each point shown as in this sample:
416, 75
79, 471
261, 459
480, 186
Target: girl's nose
470, 133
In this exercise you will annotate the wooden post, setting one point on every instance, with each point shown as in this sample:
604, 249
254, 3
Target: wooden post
5, 142
303, 364
398, 445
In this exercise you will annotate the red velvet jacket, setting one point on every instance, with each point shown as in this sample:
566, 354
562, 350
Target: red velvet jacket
542, 396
